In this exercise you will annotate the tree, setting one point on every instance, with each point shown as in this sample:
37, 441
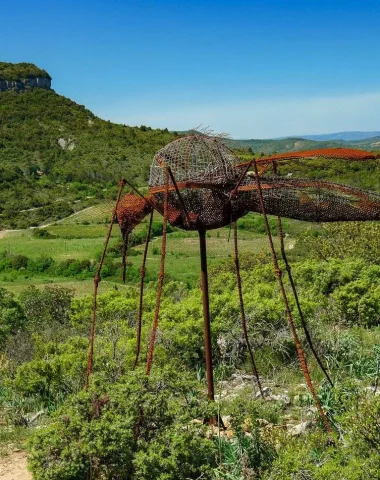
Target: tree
12, 316
46, 307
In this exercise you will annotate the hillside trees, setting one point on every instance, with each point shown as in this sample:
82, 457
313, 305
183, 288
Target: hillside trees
53, 141
19, 71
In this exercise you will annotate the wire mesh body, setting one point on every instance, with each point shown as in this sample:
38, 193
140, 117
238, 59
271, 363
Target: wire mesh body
206, 172
331, 153
130, 211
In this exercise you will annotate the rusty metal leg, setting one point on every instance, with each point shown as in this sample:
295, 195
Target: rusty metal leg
242, 312
293, 330
142, 277
180, 198
97, 279
124, 255
295, 295
206, 315
161, 276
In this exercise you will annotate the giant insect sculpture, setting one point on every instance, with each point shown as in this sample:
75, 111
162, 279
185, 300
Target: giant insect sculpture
197, 183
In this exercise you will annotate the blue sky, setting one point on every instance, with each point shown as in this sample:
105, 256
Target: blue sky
253, 69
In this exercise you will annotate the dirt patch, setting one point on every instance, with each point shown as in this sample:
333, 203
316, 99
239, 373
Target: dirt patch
14, 467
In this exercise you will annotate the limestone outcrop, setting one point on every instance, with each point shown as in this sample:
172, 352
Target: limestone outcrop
23, 76
25, 83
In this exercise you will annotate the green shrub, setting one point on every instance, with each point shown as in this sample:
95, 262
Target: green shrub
42, 233
365, 430
177, 452
12, 316
135, 429
56, 370
320, 456
359, 302
46, 307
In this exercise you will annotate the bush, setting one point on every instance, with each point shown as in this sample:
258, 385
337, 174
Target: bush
42, 233
55, 372
12, 316
359, 302
319, 456
136, 429
46, 307
366, 427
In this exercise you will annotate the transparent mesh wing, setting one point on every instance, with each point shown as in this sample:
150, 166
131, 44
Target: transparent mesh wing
313, 201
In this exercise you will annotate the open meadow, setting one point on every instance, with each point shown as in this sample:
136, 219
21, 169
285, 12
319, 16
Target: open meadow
81, 237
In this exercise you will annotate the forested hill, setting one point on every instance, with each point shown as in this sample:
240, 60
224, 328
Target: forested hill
44, 132
55, 154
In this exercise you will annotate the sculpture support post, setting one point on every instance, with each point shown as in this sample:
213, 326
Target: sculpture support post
206, 314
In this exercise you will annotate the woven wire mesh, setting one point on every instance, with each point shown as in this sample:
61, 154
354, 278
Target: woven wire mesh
313, 201
330, 153
131, 211
206, 208
194, 158
205, 172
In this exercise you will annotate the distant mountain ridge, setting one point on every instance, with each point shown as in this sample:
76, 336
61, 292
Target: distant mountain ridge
344, 136
293, 144
360, 140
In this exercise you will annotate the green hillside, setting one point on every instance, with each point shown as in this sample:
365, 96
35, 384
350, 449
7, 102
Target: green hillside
55, 154
372, 143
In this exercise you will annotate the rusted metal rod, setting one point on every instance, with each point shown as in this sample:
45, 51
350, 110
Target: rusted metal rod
180, 198
295, 294
97, 279
292, 327
242, 311
206, 314
124, 256
161, 276
142, 277
239, 182
137, 192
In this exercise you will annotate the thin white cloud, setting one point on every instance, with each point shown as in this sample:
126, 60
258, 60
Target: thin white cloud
266, 118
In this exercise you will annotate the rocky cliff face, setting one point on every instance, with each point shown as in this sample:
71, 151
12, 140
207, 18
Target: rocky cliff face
25, 84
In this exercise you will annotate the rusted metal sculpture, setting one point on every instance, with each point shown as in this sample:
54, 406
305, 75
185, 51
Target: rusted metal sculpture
197, 183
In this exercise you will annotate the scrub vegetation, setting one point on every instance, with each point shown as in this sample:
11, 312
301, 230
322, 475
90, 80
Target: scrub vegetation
128, 426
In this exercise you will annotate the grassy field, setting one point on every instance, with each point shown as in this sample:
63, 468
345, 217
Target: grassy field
182, 258
81, 237
24, 243
80, 287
